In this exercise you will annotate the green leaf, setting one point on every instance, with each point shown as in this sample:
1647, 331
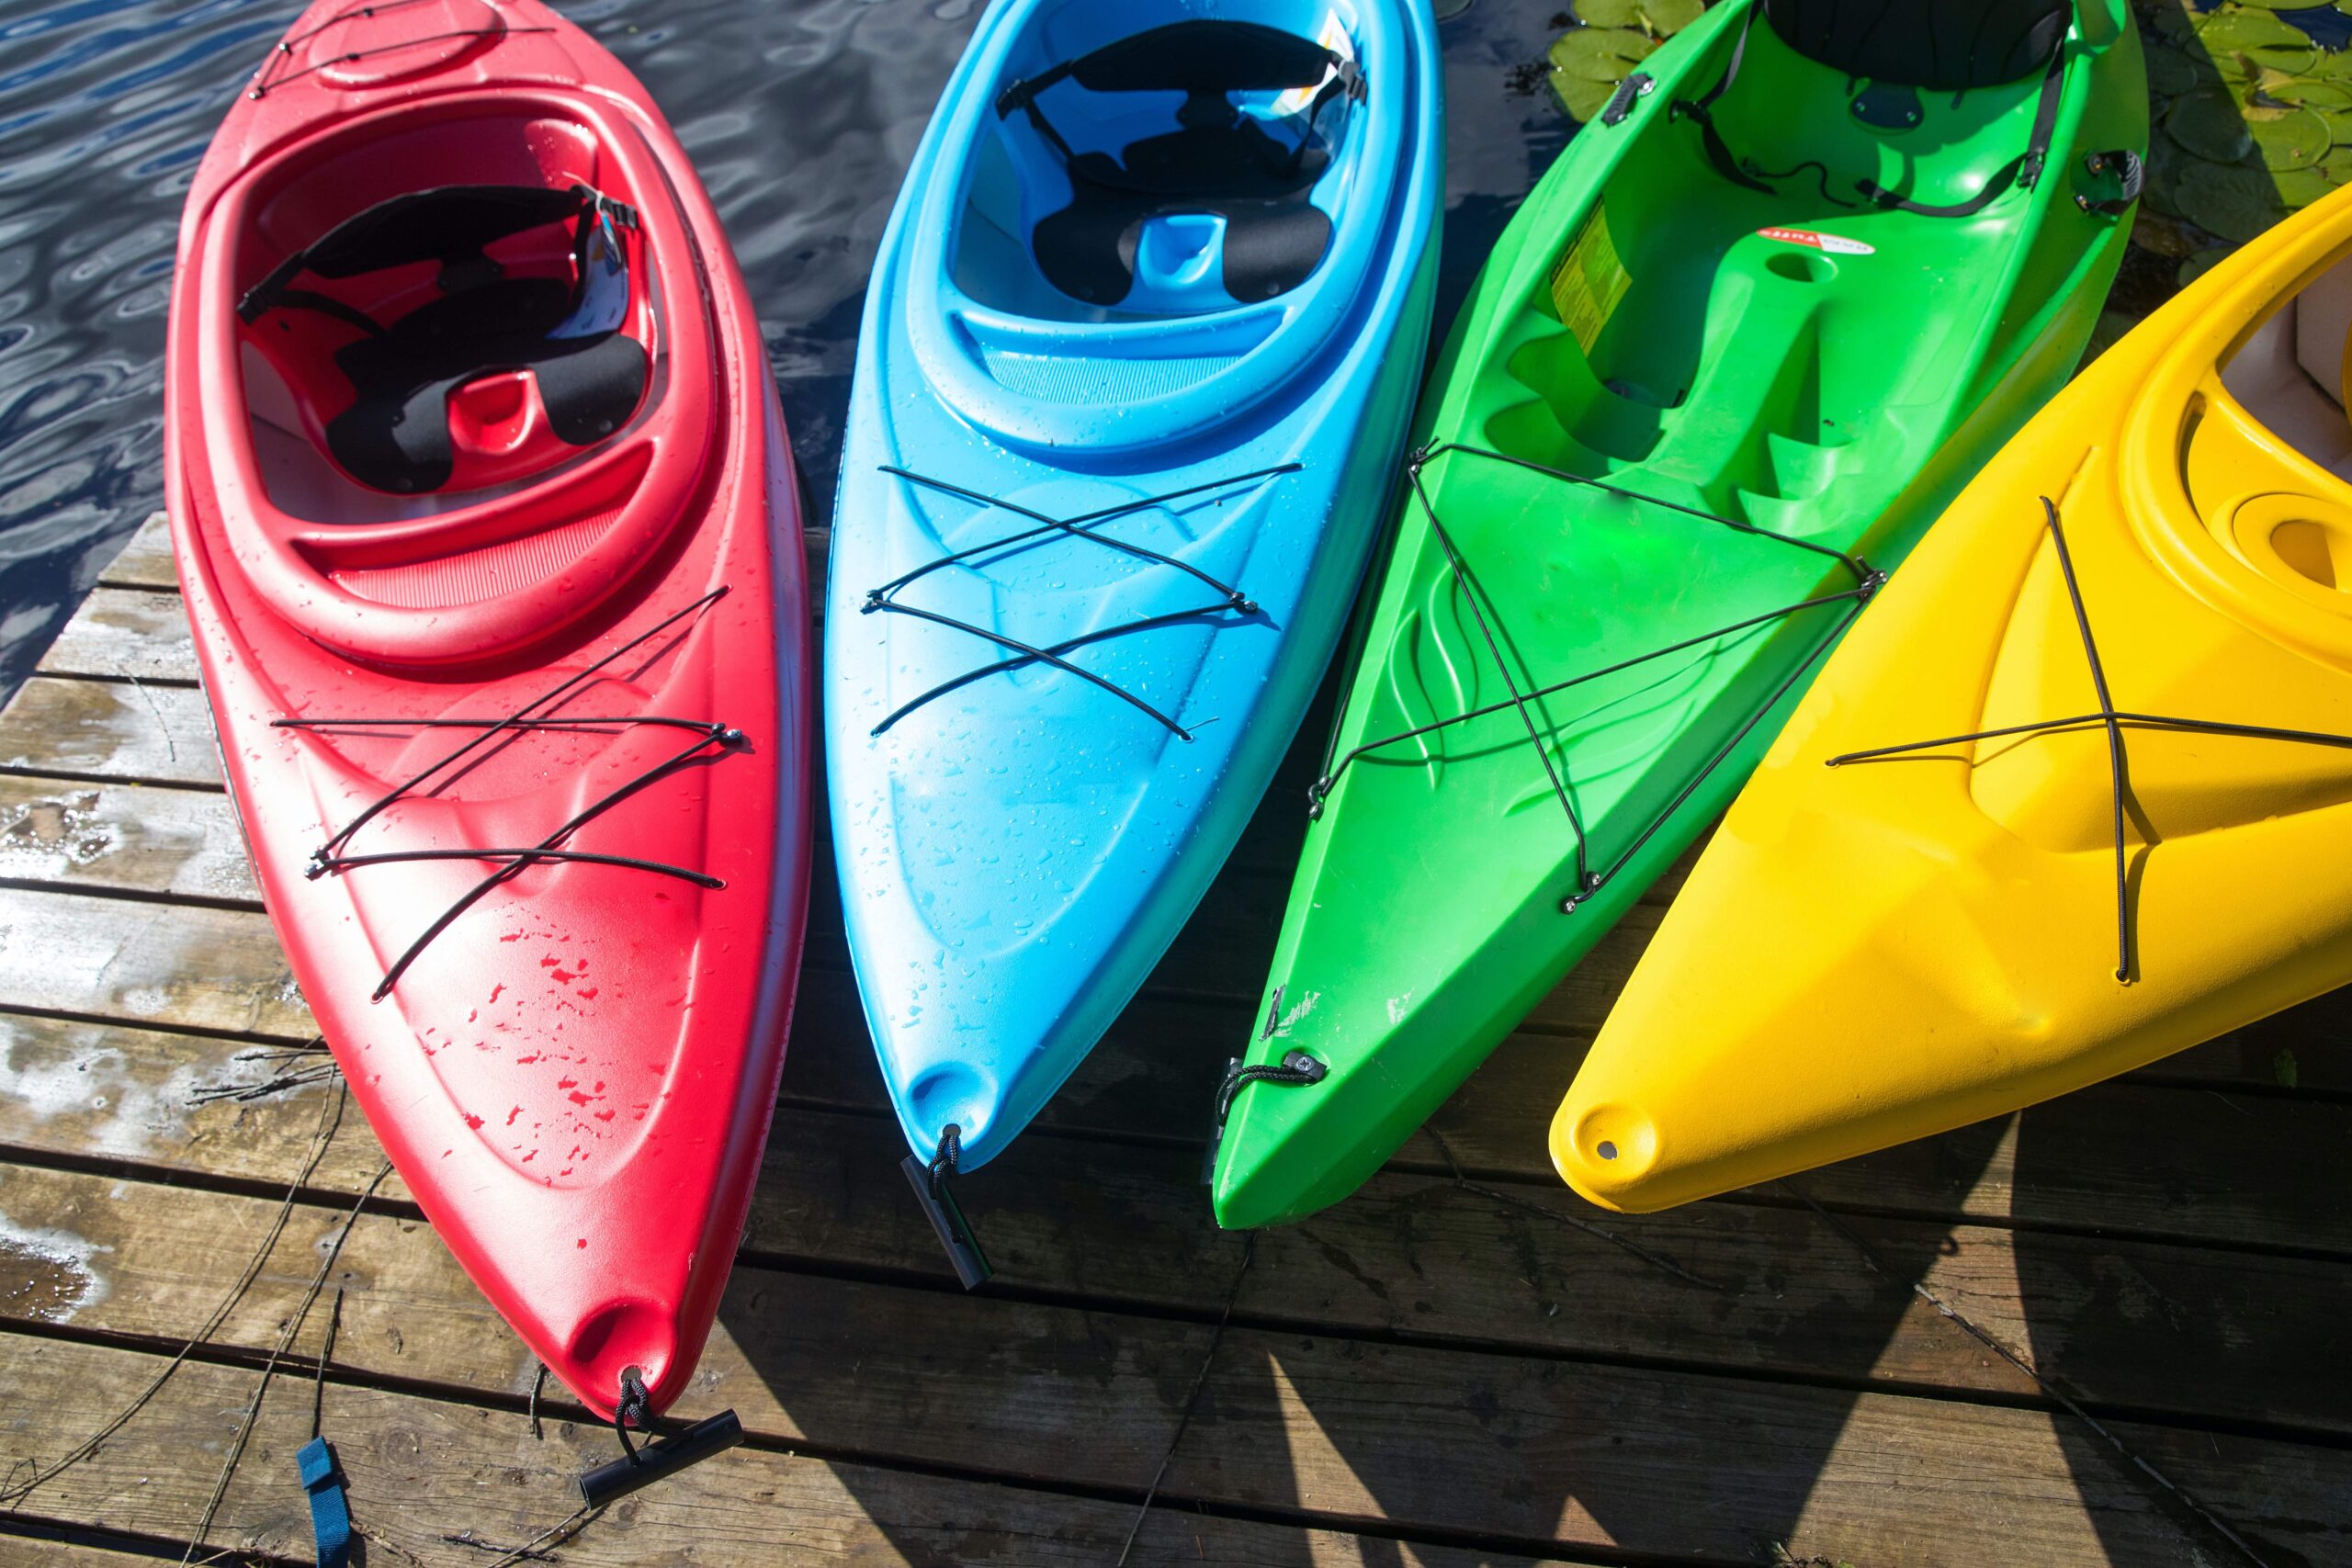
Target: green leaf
1607, 13
2299, 187
2230, 200
2282, 1068
2199, 264
2167, 236
1600, 54
2289, 138
1667, 17
2208, 124
2235, 28
2173, 70
2173, 20
1582, 99
2163, 172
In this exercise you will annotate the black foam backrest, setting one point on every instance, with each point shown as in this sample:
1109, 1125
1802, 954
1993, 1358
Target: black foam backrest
1945, 46
437, 225
1204, 57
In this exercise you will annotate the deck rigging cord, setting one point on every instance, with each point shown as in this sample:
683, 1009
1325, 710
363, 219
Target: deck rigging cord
2065, 1401
1192, 1398
1867, 581
2114, 721
322, 1477
710, 741
14, 1492
286, 1337
1087, 526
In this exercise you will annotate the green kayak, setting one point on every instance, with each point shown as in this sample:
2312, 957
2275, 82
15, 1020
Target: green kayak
1774, 306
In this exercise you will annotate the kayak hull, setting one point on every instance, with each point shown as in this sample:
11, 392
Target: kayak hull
1672, 406
1936, 936
571, 1058
1019, 840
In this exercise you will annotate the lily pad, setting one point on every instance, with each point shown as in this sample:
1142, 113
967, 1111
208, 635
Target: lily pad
2153, 231
2163, 172
1606, 13
2200, 264
1667, 17
2229, 200
2299, 187
1583, 98
2172, 70
1600, 54
2244, 28
2289, 138
2208, 124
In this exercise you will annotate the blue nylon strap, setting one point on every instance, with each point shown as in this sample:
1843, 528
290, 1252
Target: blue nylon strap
330, 1510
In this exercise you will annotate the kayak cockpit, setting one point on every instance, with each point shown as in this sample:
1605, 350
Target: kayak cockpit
1136, 211
1740, 315
462, 371
2289, 373
1190, 167
407, 337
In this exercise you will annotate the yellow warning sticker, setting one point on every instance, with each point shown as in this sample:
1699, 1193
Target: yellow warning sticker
1589, 281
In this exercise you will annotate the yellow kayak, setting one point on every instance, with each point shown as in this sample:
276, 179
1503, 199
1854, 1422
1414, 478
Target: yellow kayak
2074, 794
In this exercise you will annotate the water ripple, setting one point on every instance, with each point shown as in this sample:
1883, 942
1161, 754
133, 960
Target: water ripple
801, 117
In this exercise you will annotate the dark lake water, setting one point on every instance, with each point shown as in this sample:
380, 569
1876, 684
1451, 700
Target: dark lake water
800, 115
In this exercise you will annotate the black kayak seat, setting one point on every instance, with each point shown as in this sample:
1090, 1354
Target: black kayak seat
1217, 161
1944, 46
1952, 46
395, 435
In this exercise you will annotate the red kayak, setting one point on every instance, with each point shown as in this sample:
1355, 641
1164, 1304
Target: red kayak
492, 542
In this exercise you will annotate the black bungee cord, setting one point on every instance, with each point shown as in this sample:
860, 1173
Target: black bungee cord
2114, 721
1087, 526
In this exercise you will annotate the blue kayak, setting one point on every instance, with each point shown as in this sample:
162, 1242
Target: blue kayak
1142, 343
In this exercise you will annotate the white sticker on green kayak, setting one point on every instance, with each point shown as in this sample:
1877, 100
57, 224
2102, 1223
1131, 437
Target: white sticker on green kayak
1589, 281
1835, 244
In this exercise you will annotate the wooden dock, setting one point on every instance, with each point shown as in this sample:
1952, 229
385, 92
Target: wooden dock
2110, 1330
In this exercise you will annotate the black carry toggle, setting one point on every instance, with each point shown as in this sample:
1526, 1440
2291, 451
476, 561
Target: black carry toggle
1298, 1070
1632, 90
946, 1217
2130, 175
660, 1460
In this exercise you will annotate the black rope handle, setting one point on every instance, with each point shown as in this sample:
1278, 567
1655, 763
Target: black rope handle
1298, 1070
2131, 174
634, 1408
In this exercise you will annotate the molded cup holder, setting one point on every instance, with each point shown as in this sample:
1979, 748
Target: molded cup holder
2302, 543
1801, 267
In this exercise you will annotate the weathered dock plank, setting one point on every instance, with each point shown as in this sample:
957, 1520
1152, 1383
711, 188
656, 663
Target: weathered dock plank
2191, 1332
119, 837
1421, 1439
2133, 1158
110, 729
126, 634
423, 1471
1491, 1365
145, 559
